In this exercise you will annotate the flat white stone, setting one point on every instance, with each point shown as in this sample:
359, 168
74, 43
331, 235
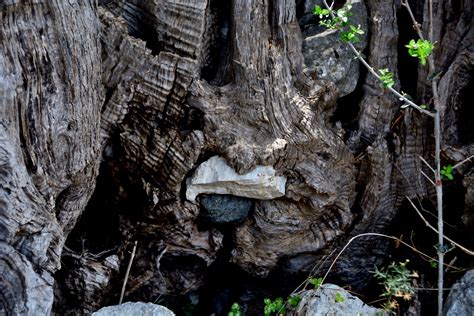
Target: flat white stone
215, 176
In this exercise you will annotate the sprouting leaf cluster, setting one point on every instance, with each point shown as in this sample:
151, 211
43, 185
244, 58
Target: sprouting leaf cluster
316, 282
447, 172
339, 20
387, 78
397, 280
277, 306
420, 48
235, 310
294, 300
339, 298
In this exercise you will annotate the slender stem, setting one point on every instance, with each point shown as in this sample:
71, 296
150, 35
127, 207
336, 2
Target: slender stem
439, 184
127, 273
459, 164
416, 25
377, 235
427, 164
437, 134
467, 251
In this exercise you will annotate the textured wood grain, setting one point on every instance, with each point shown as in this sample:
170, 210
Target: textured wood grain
153, 88
49, 138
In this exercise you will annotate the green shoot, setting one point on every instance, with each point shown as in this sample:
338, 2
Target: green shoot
387, 78
447, 172
316, 282
276, 306
421, 49
235, 310
339, 298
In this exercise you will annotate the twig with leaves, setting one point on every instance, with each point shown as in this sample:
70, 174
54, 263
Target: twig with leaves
421, 49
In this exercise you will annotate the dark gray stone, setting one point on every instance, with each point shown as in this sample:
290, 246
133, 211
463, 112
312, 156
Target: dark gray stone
223, 208
460, 300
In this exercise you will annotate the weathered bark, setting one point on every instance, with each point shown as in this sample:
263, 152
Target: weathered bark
50, 100
151, 89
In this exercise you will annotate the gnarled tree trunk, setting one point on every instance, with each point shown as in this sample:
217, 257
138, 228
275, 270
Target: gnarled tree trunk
146, 91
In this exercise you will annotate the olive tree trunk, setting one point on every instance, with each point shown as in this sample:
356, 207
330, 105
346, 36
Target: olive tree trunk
107, 109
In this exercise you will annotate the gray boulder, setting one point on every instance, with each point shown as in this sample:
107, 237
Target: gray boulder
224, 209
322, 302
460, 300
132, 309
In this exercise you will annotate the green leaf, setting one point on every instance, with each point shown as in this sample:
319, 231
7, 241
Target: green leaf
447, 172
317, 10
276, 306
433, 263
294, 300
235, 310
339, 298
420, 49
387, 78
316, 282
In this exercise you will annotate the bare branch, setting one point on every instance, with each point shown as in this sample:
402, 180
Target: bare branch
464, 249
428, 178
459, 164
127, 272
427, 164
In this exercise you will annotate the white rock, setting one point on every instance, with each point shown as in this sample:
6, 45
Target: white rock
322, 302
214, 176
132, 309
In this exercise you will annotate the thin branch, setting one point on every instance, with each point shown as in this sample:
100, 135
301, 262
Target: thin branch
437, 135
459, 164
376, 75
416, 25
467, 251
418, 197
427, 178
127, 272
378, 235
427, 164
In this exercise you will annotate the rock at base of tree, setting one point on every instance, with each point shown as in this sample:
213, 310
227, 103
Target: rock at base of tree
461, 297
224, 209
216, 176
331, 299
137, 308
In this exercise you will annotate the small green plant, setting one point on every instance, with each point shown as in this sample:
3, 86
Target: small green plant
397, 280
294, 300
339, 21
420, 48
235, 310
339, 298
351, 35
387, 78
316, 282
447, 172
277, 306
